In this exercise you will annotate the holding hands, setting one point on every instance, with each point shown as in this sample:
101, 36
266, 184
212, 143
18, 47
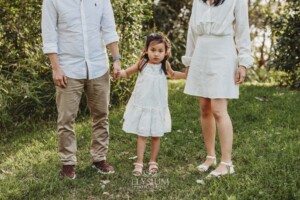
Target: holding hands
116, 69
122, 74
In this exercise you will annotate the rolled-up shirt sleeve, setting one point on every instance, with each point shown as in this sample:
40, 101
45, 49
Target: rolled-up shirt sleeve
49, 27
242, 34
191, 39
108, 26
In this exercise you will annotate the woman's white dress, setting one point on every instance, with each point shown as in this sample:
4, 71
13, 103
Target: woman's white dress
147, 112
218, 41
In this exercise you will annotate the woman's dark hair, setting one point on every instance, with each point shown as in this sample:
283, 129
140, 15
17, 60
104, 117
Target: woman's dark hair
216, 2
159, 38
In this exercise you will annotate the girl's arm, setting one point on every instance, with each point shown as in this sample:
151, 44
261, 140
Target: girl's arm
174, 74
124, 73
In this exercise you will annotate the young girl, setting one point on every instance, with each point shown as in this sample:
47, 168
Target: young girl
147, 113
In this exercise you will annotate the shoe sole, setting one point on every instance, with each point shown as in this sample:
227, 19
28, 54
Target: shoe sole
212, 176
102, 172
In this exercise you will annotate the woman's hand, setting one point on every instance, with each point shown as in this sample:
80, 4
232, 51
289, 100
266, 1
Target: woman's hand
186, 71
240, 74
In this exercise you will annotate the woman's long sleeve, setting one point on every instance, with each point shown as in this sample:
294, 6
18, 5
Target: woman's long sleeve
242, 34
191, 39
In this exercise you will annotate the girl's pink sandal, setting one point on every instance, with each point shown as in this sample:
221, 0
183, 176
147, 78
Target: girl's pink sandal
153, 167
138, 169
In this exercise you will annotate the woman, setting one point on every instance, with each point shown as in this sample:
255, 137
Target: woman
217, 56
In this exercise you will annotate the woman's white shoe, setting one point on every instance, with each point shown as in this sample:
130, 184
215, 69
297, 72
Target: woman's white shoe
230, 170
204, 168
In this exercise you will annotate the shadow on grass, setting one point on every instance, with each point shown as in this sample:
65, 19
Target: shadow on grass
265, 154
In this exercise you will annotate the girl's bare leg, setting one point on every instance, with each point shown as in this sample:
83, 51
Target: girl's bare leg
155, 145
141, 145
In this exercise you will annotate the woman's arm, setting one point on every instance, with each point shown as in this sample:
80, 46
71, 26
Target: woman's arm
174, 74
191, 37
242, 34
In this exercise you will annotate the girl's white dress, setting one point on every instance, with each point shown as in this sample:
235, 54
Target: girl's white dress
147, 112
218, 41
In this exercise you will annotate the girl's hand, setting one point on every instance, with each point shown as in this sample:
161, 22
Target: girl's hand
122, 74
240, 74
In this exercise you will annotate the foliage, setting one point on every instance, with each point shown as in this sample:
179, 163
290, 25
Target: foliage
26, 87
263, 76
265, 155
172, 17
261, 14
286, 30
133, 27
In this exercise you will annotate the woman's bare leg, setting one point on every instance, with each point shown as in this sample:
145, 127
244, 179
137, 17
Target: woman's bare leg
225, 131
208, 126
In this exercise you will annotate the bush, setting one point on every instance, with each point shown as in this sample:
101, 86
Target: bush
133, 27
26, 86
172, 17
286, 29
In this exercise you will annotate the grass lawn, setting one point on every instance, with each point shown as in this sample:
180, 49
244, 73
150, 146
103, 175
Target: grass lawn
266, 152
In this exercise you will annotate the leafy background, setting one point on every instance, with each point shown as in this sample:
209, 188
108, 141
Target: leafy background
26, 87
266, 117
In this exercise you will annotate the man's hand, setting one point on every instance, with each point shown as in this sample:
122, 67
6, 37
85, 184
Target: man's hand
240, 74
116, 69
59, 77
114, 50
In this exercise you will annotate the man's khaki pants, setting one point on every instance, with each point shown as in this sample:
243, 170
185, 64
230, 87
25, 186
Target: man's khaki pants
67, 100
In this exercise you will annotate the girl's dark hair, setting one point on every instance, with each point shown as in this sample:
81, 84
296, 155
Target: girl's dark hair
216, 2
159, 38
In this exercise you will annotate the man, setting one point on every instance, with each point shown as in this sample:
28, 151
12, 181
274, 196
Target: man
75, 35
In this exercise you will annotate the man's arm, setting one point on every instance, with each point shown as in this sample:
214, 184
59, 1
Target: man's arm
114, 50
110, 36
58, 75
49, 35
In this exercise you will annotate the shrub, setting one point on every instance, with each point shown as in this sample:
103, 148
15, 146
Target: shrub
26, 86
286, 29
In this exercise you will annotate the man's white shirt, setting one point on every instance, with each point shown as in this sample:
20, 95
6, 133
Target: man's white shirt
78, 31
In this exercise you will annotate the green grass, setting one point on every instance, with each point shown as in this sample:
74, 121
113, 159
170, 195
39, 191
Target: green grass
266, 154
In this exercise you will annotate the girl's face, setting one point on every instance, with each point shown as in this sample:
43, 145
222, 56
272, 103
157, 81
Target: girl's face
156, 52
